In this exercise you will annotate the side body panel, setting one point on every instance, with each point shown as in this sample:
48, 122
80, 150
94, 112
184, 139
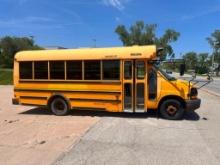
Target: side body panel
167, 88
103, 95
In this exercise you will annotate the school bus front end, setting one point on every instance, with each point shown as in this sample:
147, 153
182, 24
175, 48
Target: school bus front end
174, 96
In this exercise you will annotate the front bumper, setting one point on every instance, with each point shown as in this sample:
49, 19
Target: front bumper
192, 105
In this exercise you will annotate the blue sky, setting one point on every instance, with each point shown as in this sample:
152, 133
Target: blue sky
75, 23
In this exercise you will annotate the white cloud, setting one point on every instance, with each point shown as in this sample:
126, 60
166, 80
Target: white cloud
23, 21
118, 4
201, 14
34, 22
64, 11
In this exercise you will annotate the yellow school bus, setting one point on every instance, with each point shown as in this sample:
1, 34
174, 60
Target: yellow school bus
121, 79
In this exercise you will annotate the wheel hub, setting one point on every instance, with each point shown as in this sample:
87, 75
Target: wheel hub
59, 106
171, 110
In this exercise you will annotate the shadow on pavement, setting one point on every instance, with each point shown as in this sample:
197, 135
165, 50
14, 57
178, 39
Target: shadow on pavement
193, 116
91, 113
37, 111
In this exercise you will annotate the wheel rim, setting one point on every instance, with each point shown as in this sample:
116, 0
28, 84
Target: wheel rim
59, 105
171, 110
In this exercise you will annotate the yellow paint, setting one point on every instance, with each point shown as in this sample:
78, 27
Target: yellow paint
92, 94
169, 88
134, 52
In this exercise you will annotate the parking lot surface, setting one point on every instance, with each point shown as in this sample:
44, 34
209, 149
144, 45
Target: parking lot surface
143, 139
31, 135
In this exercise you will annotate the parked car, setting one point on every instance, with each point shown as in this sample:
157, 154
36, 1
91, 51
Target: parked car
168, 71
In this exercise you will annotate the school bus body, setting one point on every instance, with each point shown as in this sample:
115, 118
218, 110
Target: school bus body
121, 95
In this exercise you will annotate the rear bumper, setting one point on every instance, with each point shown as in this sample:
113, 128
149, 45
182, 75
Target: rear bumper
15, 101
192, 105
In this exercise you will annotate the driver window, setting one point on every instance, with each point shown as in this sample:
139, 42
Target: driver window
152, 84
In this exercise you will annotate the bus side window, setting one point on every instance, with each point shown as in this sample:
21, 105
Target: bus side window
111, 70
92, 70
57, 70
25, 70
152, 84
74, 70
41, 70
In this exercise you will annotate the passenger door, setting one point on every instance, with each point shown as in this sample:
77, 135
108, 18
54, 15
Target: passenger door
134, 85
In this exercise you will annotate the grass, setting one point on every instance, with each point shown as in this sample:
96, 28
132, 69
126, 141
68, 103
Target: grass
6, 76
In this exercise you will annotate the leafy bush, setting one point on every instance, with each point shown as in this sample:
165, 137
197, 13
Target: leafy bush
6, 76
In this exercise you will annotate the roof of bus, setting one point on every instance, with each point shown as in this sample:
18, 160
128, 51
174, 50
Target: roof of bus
133, 52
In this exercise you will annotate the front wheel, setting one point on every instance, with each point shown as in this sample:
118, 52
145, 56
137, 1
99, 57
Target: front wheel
59, 106
172, 109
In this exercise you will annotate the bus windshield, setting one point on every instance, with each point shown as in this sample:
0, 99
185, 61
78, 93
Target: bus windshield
167, 76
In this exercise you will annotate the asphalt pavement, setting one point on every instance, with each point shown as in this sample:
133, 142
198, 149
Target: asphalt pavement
32, 136
128, 139
214, 86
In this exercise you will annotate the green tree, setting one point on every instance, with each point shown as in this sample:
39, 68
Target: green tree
203, 59
190, 60
214, 41
145, 34
203, 63
9, 46
199, 62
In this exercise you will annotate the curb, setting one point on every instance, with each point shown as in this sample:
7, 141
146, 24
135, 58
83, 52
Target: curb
211, 92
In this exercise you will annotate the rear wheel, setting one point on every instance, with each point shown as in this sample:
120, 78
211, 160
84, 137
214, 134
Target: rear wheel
172, 109
59, 106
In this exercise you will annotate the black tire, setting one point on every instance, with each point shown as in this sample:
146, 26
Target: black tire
172, 109
59, 106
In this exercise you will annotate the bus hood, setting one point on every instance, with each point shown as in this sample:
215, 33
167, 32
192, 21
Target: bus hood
184, 83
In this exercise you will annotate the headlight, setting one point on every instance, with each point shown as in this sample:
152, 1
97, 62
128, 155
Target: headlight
193, 93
